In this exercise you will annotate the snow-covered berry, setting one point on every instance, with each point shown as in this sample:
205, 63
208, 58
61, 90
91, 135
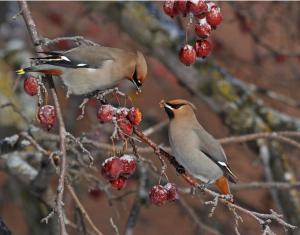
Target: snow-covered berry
158, 195
111, 168
47, 116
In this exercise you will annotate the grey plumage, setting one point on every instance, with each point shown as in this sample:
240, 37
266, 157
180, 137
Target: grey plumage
194, 148
90, 68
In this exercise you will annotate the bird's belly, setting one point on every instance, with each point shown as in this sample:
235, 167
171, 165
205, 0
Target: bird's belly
86, 80
198, 164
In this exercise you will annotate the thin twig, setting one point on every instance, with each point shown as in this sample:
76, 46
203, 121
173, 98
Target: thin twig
62, 131
82, 209
259, 217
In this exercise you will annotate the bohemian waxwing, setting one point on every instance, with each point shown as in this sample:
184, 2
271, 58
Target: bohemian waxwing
194, 148
87, 69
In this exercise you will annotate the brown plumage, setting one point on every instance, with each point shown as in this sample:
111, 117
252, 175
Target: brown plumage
194, 148
90, 68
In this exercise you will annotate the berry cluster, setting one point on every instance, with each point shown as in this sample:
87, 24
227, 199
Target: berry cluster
159, 194
118, 169
207, 16
125, 118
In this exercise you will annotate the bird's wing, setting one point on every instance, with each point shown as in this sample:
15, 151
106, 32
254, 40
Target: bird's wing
79, 57
213, 150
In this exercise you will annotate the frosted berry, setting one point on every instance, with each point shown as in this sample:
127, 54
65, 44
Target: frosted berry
47, 116
211, 5
122, 112
119, 183
111, 168
183, 7
170, 8
198, 7
187, 55
106, 113
31, 85
135, 116
128, 165
214, 16
172, 191
125, 126
203, 48
203, 29
158, 195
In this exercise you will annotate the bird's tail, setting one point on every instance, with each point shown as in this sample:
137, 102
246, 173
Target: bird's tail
42, 68
223, 185
23, 71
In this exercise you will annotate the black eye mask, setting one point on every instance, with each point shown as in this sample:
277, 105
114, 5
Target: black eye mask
175, 106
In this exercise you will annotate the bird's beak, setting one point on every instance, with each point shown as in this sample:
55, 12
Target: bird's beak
137, 86
168, 109
162, 104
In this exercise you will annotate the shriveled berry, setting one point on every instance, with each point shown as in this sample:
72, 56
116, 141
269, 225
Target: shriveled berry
198, 7
128, 165
125, 126
170, 8
172, 191
214, 16
183, 7
106, 113
203, 48
31, 85
134, 116
203, 29
158, 195
47, 116
122, 112
94, 193
187, 55
111, 168
119, 183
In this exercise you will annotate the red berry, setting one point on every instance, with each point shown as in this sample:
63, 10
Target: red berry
187, 55
47, 116
158, 195
170, 8
135, 116
214, 16
125, 126
106, 113
198, 7
183, 7
203, 48
111, 168
31, 85
94, 193
128, 165
203, 29
122, 112
280, 58
119, 183
172, 191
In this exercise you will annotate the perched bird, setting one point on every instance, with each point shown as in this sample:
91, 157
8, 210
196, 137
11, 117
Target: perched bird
87, 69
194, 148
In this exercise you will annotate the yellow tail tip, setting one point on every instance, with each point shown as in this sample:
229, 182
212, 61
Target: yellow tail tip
20, 72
